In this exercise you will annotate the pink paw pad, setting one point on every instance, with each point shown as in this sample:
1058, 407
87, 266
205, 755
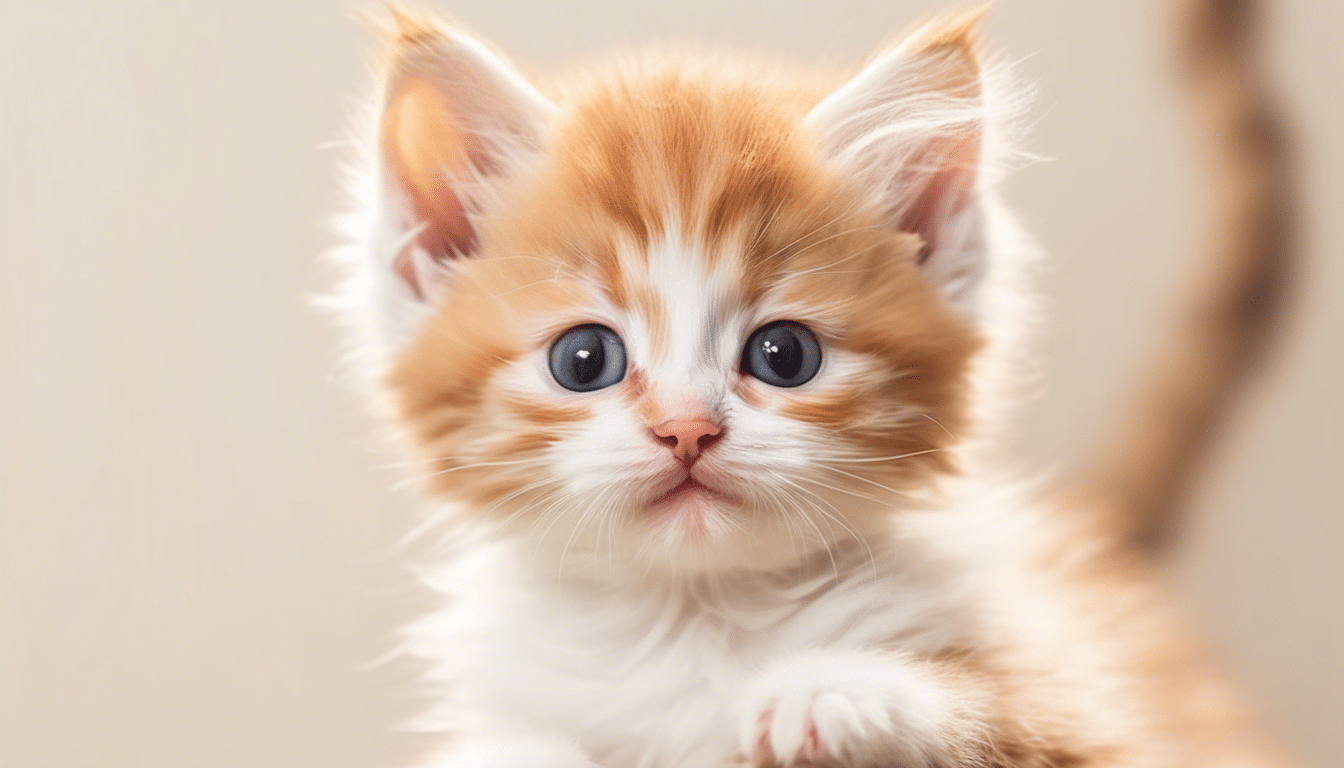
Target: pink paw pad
812, 751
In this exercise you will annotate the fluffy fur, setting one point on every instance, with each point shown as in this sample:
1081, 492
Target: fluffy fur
852, 585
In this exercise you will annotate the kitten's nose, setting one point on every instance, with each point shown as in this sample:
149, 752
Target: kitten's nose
688, 437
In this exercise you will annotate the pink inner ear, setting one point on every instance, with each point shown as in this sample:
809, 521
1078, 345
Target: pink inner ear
447, 231
943, 194
425, 148
404, 266
447, 234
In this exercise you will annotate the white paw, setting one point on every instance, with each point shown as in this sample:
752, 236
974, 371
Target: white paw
823, 708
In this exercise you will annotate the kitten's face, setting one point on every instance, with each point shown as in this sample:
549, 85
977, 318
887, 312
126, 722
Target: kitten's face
670, 428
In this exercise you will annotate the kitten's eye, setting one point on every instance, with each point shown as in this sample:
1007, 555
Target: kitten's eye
783, 354
588, 357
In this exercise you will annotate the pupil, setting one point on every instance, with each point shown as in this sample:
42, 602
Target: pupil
589, 358
783, 352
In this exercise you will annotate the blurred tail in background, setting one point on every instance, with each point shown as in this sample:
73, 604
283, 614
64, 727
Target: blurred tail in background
1236, 303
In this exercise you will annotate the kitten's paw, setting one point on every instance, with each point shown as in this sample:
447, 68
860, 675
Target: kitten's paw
824, 708
802, 728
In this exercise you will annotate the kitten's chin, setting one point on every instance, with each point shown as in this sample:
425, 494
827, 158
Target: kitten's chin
699, 527
691, 510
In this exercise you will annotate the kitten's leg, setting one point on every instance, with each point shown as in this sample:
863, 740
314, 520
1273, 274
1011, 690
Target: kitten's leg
511, 752
861, 708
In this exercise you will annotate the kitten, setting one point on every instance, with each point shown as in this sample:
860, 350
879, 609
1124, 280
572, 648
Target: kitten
706, 358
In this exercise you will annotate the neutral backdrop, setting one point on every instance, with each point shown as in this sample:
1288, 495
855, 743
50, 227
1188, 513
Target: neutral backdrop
198, 561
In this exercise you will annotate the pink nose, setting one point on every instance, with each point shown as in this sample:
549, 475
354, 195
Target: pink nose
687, 437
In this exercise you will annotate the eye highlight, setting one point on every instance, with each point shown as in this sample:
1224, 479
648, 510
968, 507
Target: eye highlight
782, 354
587, 358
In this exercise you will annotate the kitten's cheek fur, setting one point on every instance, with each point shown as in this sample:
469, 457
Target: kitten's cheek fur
513, 752
821, 707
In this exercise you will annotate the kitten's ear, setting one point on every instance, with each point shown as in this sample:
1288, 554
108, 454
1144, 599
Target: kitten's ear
908, 131
455, 118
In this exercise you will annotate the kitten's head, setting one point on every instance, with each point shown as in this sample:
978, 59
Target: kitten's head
685, 312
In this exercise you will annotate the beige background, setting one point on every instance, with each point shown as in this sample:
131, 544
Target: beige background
196, 541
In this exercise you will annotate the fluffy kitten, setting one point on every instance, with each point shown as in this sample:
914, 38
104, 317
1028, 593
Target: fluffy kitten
704, 356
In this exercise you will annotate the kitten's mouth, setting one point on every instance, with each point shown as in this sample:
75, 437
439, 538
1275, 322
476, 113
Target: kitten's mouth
687, 490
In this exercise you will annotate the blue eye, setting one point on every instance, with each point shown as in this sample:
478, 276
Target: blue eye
588, 358
782, 354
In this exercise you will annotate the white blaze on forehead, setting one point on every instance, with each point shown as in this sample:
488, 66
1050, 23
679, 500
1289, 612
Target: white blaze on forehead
688, 346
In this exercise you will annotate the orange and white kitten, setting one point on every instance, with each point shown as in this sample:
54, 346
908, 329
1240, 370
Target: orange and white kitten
705, 357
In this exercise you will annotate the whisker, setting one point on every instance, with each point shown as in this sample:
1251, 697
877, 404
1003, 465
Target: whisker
863, 479
420, 478
778, 508
940, 425
505, 499
848, 210
838, 489
883, 458
478, 464
826, 268
839, 518
578, 525
825, 540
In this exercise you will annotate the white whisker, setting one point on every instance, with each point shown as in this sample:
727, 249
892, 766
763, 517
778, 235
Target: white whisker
883, 458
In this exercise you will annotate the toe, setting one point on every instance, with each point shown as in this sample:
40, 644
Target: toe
789, 728
837, 722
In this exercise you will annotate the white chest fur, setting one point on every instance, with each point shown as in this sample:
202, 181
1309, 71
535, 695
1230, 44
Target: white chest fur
647, 673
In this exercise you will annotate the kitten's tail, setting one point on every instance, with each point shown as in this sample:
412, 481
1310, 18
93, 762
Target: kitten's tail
1234, 308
